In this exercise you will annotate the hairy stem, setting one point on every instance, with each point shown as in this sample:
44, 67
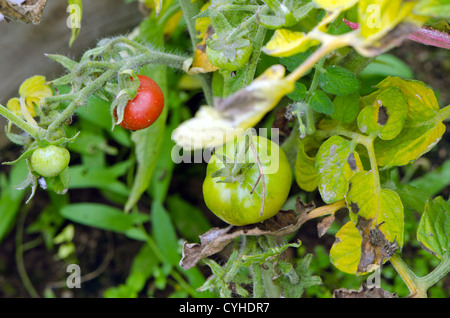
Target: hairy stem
254, 58
83, 95
19, 122
354, 62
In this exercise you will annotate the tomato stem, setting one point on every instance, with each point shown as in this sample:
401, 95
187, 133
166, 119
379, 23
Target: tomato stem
32, 130
254, 58
82, 96
190, 10
261, 176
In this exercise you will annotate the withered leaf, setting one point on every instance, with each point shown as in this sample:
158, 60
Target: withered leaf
363, 292
394, 38
213, 241
375, 248
325, 224
29, 11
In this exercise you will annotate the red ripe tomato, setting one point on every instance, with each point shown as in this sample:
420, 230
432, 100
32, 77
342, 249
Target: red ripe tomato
145, 108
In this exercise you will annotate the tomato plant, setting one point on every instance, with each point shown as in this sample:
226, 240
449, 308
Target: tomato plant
239, 189
145, 108
313, 113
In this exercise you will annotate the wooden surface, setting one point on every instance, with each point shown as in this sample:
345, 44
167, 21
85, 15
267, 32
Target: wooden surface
22, 46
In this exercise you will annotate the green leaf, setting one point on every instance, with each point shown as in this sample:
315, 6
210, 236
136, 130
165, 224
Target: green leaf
412, 197
381, 206
97, 113
105, 217
143, 267
321, 103
164, 233
385, 117
433, 8
104, 178
293, 61
336, 162
338, 81
162, 176
60, 183
386, 65
63, 60
434, 227
346, 108
10, 198
299, 93
435, 181
188, 218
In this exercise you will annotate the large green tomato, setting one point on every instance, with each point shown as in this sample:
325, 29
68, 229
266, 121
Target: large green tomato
50, 161
233, 200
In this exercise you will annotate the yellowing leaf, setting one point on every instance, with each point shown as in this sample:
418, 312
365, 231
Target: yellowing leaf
377, 17
385, 117
365, 199
422, 103
285, 43
375, 230
345, 253
336, 162
213, 126
200, 62
189, 82
332, 5
172, 23
153, 4
412, 143
422, 129
305, 170
202, 24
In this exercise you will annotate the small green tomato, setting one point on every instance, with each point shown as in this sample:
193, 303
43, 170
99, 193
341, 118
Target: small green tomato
228, 62
50, 161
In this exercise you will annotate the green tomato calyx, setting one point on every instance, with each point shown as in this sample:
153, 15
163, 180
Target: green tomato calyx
234, 171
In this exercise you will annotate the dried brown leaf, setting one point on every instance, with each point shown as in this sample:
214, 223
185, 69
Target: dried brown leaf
324, 225
30, 11
375, 248
363, 292
213, 241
